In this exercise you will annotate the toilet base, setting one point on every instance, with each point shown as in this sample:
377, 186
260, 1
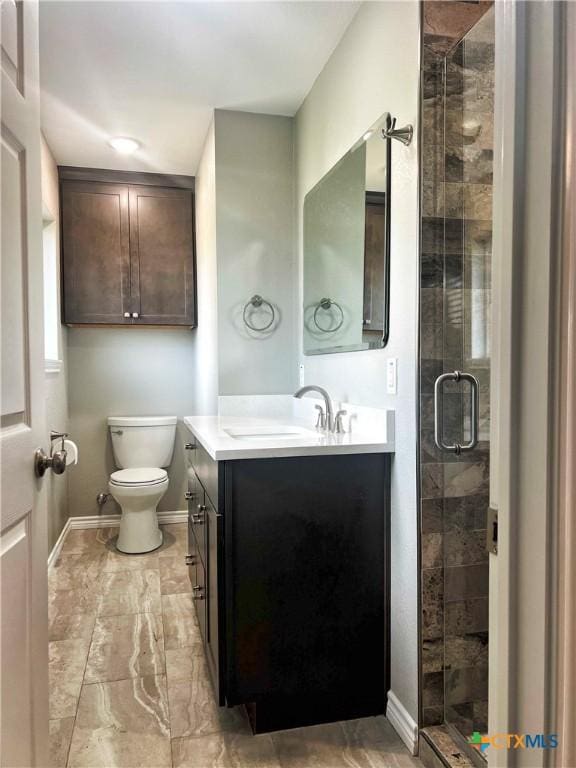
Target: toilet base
139, 532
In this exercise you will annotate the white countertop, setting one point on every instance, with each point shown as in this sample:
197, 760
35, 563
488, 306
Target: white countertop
261, 438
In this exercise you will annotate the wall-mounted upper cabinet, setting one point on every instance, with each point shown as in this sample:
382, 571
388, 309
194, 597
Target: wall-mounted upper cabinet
127, 248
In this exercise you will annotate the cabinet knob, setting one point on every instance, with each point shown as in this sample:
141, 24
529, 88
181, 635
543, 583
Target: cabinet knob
189, 446
135, 314
127, 314
188, 495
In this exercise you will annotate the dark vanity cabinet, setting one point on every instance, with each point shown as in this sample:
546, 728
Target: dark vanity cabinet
127, 248
289, 568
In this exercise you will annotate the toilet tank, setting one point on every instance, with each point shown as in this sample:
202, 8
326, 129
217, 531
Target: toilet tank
142, 441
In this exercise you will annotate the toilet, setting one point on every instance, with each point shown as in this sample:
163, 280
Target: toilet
142, 446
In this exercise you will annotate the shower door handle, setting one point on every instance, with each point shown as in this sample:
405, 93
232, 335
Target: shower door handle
438, 412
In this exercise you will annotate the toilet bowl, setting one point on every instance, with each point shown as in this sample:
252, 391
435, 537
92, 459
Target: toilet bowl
141, 446
138, 491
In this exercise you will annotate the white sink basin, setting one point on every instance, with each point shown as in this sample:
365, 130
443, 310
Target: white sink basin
271, 432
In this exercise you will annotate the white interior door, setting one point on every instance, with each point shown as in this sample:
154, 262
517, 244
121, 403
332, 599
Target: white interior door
23, 540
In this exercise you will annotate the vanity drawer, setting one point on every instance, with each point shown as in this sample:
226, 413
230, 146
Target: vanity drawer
196, 513
190, 447
207, 470
197, 524
199, 596
193, 555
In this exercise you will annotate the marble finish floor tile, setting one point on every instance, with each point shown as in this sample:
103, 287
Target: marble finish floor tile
126, 646
365, 743
64, 695
76, 571
180, 626
375, 738
129, 682
67, 660
178, 530
180, 662
60, 738
72, 626
118, 561
86, 540
121, 724
175, 540
224, 750
194, 710
64, 602
129, 592
174, 576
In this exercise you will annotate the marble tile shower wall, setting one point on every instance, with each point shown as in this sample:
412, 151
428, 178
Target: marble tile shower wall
457, 114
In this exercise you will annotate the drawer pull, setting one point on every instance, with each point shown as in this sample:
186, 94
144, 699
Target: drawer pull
189, 559
197, 519
188, 495
189, 446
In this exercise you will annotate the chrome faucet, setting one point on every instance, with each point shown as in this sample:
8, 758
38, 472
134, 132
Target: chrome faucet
329, 411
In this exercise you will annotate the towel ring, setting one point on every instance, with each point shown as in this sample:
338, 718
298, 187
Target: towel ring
257, 301
327, 304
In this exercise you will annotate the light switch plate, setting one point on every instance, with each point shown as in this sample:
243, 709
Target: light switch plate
391, 375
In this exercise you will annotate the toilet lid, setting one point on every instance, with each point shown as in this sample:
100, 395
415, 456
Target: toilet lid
138, 476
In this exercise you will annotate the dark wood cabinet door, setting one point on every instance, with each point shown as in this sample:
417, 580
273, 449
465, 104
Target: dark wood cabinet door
214, 608
95, 252
305, 582
199, 596
162, 256
194, 497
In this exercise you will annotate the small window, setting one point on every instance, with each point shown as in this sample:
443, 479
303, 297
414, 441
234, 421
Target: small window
52, 359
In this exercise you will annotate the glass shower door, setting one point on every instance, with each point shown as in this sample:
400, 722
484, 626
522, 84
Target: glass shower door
455, 282
465, 400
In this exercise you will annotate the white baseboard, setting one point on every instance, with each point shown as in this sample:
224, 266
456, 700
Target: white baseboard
106, 521
53, 556
402, 723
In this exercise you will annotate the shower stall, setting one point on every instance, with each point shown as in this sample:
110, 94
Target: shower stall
457, 111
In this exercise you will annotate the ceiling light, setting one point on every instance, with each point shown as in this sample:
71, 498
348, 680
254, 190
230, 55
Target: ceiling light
367, 135
123, 145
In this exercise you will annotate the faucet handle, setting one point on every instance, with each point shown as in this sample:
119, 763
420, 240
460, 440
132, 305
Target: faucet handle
338, 426
321, 420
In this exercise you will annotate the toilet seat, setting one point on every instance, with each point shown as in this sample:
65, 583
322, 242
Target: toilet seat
138, 477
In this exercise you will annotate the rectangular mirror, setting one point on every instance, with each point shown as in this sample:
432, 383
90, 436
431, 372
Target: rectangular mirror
347, 251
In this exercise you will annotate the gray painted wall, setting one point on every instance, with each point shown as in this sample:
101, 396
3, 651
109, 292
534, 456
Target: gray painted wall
205, 348
255, 245
244, 209
374, 69
124, 372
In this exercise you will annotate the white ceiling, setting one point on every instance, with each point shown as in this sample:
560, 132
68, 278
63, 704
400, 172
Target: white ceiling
154, 71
